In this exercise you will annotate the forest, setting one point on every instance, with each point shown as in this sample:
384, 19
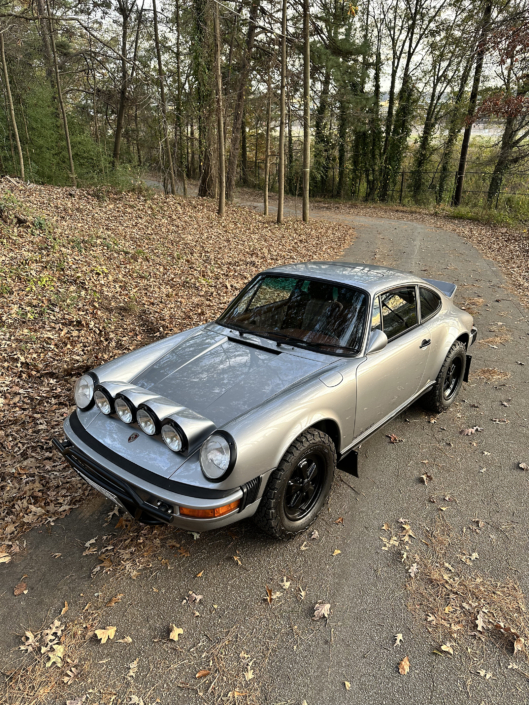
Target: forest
417, 101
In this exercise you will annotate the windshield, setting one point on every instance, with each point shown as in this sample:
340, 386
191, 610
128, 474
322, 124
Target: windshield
303, 312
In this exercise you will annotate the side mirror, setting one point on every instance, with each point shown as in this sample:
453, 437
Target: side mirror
377, 341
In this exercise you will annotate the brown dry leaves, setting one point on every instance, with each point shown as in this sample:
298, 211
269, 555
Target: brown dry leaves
85, 280
457, 603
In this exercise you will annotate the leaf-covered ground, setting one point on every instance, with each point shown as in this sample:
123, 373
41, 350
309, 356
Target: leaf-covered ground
86, 277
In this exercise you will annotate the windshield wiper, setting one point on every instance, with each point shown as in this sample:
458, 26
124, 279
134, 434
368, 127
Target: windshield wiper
300, 341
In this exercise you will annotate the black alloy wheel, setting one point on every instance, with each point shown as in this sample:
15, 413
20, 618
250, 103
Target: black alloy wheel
299, 487
304, 487
453, 378
449, 380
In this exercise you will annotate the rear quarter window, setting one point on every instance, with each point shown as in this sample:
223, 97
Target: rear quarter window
430, 303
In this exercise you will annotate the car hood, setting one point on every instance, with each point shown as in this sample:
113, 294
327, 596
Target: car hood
221, 378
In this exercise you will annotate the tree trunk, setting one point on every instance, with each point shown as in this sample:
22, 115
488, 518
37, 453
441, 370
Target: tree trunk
342, 138
375, 136
239, 103
460, 176
453, 130
424, 145
11, 107
281, 169
290, 150
124, 11
320, 138
162, 99
181, 155
306, 111
61, 102
503, 162
267, 144
244, 151
45, 33
220, 115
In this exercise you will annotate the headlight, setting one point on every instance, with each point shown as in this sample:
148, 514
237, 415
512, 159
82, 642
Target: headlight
148, 422
104, 401
84, 391
124, 409
174, 437
218, 455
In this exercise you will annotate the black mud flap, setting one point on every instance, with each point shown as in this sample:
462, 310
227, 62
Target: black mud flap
349, 463
467, 368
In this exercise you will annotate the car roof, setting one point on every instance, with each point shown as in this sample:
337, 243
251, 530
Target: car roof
369, 277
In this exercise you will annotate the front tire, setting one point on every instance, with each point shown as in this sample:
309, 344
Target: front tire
449, 380
299, 487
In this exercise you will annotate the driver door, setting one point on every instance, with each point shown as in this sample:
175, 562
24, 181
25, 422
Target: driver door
390, 377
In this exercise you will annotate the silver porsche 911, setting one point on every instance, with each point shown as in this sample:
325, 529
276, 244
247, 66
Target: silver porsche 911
250, 415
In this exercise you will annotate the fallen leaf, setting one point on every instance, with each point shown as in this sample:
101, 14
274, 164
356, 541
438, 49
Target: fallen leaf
194, 598
518, 644
104, 634
89, 543
321, 609
199, 575
203, 673
65, 608
133, 667
268, 595
175, 632
523, 466
339, 520
304, 546
480, 623
448, 649
248, 674
393, 438
285, 584
114, 601
336, 552
314, 535
77, 701
125, 640
347, 685
236, 559
398, 639
426, 477
413, 570
56, 656
470, 431
20, 589
404, 666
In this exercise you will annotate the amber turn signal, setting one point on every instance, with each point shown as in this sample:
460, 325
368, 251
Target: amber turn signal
209, 513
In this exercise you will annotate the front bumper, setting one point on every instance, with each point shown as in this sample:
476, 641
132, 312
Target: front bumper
147, 502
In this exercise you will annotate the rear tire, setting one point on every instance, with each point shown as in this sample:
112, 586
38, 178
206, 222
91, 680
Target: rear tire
299, 487
449, 380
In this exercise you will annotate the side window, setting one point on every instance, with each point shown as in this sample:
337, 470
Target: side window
399, 310
430, 303
376, 321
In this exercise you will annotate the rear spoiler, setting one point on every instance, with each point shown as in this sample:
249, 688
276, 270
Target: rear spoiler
447, 288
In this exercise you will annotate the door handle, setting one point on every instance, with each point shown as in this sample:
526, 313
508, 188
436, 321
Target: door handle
425, 343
